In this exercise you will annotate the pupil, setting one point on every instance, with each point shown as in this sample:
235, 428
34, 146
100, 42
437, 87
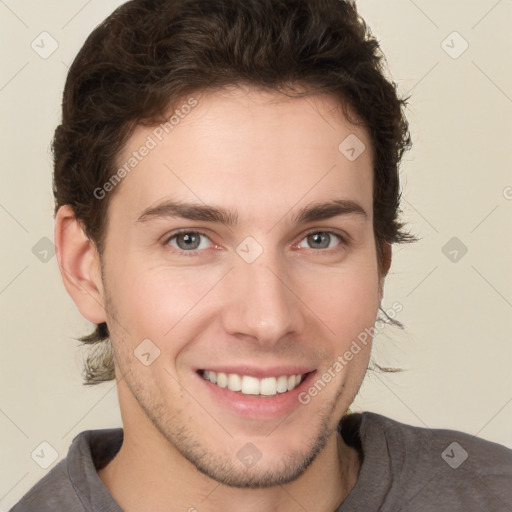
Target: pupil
189, 240
317, 238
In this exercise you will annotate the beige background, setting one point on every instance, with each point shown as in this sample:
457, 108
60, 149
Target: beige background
457, 182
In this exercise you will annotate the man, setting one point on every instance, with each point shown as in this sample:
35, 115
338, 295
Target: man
226, 185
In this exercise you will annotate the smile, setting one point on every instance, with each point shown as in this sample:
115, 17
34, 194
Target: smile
248, 385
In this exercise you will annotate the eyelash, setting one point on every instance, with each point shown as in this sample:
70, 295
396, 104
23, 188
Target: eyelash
344, 241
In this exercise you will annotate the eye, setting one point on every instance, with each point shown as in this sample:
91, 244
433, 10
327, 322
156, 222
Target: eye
196, 241
187, 241
322, 239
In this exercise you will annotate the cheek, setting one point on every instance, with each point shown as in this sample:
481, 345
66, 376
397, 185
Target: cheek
158, 302
154, 301
347, 299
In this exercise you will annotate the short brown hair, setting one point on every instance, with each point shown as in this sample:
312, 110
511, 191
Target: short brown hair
148, 55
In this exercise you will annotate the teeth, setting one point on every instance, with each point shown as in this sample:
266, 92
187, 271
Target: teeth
222, 379
234, 382
268, 386
282, 384
250, 385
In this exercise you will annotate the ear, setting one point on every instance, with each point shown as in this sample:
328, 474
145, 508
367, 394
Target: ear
79, 265
386, 264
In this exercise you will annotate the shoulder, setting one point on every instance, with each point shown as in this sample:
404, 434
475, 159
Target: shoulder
430, 444
73, 484
443, 464
50, 493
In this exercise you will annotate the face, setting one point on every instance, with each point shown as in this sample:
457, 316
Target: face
260, 289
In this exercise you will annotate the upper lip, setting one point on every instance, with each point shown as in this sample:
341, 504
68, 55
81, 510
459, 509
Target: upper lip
260, 373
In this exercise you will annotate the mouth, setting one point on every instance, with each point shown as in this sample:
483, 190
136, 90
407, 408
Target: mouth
256, 393
250, 385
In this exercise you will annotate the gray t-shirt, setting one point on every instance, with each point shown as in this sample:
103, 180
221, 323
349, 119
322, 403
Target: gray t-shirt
404, 469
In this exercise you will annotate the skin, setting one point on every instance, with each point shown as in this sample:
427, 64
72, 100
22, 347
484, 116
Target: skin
264, 156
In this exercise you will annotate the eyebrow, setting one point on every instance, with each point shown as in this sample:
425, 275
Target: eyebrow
200, 212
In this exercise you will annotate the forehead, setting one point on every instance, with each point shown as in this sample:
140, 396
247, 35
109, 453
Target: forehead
250, 147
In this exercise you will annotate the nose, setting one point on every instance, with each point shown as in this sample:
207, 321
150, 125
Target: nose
261, 303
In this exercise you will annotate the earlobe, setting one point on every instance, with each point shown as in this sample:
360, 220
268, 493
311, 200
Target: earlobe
387, 255
386, 251
79, 265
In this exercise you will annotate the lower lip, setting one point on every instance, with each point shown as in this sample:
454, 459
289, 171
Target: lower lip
257, 406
